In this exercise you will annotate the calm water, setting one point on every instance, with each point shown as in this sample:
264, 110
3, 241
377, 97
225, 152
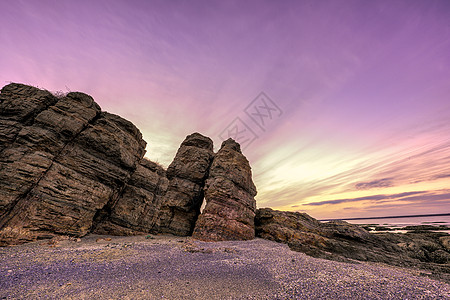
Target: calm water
401, 222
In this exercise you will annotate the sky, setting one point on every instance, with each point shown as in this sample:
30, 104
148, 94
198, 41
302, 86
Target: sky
342, 107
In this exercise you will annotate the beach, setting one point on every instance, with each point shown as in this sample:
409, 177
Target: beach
169, 267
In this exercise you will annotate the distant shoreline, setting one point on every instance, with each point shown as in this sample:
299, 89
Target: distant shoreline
388, 217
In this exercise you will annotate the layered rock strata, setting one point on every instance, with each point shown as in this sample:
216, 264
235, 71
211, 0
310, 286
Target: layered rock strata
64, 165
339, 240
68, 168
136, 210
229, 194
187, 173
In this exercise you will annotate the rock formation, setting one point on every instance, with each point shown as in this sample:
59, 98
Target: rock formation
339, 240
67, 168
187, 174
229, 193
22, 158
306, 234
65, 164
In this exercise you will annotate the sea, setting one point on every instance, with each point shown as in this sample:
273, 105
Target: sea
402, 221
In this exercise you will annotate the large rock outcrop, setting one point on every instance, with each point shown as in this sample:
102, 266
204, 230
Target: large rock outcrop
65, 164
67, 168
229, 193
184, 197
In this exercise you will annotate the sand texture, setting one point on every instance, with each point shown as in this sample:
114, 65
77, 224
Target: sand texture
169, 267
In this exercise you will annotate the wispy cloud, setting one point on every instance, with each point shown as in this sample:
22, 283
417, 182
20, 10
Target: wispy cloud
400, 196
385, 182
363, 86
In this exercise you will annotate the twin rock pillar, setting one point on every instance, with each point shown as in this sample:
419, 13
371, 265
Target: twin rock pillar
223, 180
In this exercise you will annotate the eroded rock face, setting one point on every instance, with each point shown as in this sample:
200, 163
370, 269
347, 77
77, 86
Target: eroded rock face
334, 240
19, 153
339, 240
184, 196
67, 168
136, 211
67, 161
229, 194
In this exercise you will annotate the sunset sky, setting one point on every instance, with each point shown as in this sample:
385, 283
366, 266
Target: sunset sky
358, 110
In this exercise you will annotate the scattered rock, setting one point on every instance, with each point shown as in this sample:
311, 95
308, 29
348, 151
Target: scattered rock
425, 228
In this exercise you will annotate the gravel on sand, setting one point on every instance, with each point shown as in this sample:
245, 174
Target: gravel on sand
169, 267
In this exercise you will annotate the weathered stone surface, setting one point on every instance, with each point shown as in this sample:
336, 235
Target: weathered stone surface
19, 102
19, 105
65, 164
339, 240
28, 157
186, 174
229, 193
445, 242
137, 209
335, 239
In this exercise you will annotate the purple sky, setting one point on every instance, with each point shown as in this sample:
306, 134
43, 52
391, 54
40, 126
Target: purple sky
363, 86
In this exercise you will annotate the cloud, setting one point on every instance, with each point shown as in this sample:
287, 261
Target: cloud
385, 182
399, 196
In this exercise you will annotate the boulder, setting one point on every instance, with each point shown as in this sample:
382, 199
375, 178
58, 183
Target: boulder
187, 173
229, 194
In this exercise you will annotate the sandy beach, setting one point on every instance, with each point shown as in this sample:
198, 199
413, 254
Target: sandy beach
169, 267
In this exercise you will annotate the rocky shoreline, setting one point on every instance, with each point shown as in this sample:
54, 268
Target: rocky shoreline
341, 241
69, 169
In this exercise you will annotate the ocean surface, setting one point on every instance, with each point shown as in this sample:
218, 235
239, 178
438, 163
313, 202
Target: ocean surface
399, 222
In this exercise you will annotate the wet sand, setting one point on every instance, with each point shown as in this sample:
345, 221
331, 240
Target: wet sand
169, 267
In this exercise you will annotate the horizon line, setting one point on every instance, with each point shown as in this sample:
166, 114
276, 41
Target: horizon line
388, 217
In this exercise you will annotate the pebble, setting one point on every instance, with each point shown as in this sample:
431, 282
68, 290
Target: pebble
256, 269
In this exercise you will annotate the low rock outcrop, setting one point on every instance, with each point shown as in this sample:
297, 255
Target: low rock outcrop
339, 240
229, 193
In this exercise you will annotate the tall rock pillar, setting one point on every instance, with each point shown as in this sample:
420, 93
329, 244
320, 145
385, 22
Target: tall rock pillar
229, 193
187, 173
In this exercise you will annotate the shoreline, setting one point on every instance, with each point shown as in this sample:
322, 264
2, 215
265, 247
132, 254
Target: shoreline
388, 217
165, 266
